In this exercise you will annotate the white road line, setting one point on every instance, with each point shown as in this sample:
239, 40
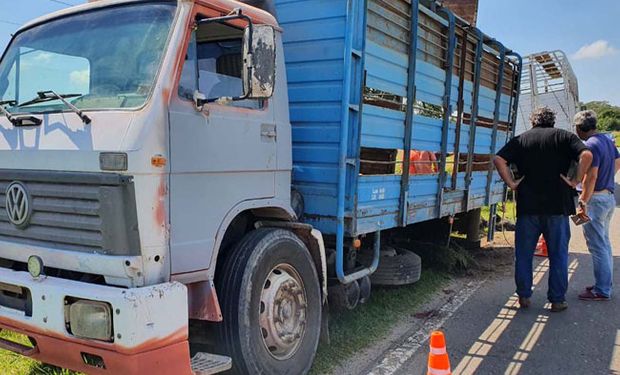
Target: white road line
394, 360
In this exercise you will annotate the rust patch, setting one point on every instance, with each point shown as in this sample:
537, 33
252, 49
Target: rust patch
216, 8
173, 359
203, 302
160, 204
155, 343
165, 95
167, 355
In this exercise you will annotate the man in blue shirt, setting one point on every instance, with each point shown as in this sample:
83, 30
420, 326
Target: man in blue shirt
597, 200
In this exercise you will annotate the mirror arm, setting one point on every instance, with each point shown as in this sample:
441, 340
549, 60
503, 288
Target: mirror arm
235, 15
213, 100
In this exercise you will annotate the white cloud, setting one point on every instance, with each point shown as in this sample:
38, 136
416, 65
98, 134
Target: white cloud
44, 57
80, 77
595, 50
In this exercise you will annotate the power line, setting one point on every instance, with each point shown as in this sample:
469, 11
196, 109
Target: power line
54, 1
10, 22
62, 2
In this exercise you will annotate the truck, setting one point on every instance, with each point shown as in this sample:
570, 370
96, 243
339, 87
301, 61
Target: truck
183, 181
548, 81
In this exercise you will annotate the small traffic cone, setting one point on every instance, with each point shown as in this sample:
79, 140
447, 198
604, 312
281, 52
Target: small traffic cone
541, 248
438, 361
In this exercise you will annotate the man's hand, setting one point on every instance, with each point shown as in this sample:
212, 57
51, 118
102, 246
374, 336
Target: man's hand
572, 183
514, 185
582, 209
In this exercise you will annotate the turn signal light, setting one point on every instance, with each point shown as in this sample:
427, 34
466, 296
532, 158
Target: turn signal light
158, 161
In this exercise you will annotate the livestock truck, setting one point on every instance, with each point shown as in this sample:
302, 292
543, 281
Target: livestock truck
182, 182
548, 80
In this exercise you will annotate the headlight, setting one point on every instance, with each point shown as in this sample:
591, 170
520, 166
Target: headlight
91, 320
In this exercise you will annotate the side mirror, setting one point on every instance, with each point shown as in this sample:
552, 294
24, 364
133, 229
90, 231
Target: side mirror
259, 61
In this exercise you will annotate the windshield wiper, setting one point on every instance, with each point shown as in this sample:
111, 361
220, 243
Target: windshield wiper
46, 96
26, 120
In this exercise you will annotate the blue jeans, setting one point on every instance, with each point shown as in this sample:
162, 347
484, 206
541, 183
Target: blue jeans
601, 209
556, 230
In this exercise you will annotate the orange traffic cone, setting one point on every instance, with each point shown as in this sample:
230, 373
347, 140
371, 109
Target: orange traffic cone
438, 361
541, 248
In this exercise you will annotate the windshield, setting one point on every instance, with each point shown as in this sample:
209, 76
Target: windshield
106, 59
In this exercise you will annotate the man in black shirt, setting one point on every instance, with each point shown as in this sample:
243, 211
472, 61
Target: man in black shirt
545, 199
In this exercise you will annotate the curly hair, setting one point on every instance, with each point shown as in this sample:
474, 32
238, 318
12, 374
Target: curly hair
585, 121
543, 117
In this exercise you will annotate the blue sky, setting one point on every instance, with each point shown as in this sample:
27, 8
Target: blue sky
529, 26
526, 26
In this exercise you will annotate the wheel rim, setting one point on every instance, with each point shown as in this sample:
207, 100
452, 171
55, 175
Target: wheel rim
282, 311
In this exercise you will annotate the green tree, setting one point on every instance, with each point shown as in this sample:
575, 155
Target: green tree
608, 115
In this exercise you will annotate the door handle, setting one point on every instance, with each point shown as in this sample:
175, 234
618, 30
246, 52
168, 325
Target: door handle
268, 131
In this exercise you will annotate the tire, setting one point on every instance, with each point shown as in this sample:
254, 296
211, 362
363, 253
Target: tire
344, 297
365, 289
396, 267
269, 268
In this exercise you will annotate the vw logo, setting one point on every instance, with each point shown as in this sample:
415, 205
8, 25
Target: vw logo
18, 204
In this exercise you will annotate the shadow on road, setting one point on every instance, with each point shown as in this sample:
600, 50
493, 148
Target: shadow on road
585, 339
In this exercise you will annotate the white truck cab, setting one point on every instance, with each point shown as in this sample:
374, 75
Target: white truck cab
138, 139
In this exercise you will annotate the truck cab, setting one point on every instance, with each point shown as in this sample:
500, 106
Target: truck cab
140, 142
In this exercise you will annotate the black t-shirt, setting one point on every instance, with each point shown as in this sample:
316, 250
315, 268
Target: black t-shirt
541, 155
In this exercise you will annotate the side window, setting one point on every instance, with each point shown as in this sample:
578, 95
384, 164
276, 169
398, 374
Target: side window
213, 65
219, 68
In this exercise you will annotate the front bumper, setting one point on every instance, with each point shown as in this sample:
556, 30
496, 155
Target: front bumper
149, 325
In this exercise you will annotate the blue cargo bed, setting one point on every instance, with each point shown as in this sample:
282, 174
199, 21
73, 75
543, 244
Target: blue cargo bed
395, 118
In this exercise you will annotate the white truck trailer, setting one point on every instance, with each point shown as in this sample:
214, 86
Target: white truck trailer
548, 80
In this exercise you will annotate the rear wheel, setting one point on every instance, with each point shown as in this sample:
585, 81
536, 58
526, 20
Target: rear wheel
271, 303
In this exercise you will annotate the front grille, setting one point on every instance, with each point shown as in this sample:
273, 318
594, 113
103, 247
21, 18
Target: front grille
87, 212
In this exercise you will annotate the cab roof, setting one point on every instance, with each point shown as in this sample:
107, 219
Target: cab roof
224, 6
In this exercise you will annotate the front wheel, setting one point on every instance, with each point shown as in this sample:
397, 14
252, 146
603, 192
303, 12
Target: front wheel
271, 304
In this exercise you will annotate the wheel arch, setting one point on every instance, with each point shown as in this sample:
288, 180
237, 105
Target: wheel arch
259, 209
203, 300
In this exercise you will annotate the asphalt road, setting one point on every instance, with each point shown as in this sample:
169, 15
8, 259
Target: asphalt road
489, 335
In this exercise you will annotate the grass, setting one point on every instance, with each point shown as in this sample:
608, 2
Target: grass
617, 137
507, 210
355, 330
14, 364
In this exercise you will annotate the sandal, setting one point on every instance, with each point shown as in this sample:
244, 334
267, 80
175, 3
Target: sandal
590, 295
